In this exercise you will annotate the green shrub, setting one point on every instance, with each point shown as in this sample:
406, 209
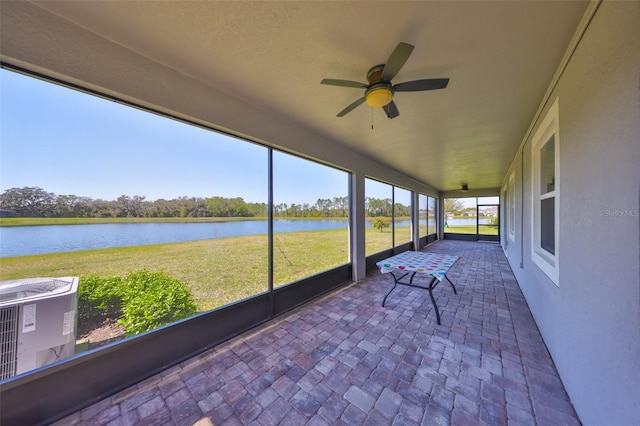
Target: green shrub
154, 299
99, 297
381, 222
141, 301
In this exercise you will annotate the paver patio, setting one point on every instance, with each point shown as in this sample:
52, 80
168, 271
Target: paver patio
345, 359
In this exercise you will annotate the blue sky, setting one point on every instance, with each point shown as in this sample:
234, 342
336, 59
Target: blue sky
67, 142
71, 143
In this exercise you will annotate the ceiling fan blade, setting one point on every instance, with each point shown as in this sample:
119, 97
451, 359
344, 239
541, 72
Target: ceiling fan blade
343, 83
391, 110
351, 107
419, 85
395, 62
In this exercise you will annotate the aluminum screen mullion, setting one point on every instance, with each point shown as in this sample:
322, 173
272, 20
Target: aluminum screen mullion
270, 228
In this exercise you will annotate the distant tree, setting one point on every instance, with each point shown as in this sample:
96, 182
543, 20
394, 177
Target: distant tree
257, 209
37, 202
103, 208
294, 210
132, 206
401, 210
72, 206
377, 207
341, 206
323, 206
28, 201
227, 207
381, 222
453, 206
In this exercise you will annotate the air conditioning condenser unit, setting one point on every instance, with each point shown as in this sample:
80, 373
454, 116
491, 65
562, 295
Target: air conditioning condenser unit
37, 323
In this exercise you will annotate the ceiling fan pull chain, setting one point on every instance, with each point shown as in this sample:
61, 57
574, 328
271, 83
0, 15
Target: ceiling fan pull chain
371, 118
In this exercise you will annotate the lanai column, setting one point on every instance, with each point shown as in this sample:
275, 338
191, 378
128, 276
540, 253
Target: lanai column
357, 226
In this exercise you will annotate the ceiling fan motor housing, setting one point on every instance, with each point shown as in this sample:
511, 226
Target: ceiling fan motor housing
374, 74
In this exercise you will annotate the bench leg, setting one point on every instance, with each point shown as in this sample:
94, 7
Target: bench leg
433, 300
396, 281
454, 287
389, 292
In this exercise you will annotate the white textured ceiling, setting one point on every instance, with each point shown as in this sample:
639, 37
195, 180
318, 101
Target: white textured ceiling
500, 57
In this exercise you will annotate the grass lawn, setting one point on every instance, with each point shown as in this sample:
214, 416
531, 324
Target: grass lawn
218, 271
471, 229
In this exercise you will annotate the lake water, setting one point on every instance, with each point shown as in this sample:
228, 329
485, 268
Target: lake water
26, 240
468, 221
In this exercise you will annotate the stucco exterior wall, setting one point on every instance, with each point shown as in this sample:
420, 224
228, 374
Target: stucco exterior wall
591, 320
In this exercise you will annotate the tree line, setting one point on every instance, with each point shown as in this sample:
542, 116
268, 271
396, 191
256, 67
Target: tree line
36, 202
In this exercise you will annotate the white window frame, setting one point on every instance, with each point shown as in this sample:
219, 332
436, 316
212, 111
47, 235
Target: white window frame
511, 207
546, 261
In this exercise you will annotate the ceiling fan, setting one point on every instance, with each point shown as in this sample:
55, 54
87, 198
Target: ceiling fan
379, 92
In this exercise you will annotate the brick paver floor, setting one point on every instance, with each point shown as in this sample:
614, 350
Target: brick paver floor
345, 359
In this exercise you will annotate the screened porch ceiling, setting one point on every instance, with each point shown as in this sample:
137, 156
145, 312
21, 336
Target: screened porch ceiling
500, 58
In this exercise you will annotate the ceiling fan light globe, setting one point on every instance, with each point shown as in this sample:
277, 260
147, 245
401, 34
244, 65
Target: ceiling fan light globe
379, 97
